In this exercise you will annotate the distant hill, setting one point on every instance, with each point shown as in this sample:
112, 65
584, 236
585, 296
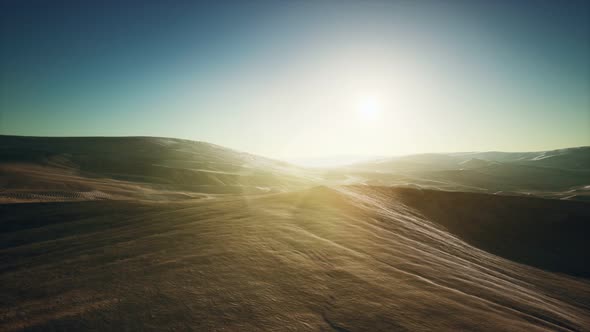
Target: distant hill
571, 158
563, 173
85, 164
141, 167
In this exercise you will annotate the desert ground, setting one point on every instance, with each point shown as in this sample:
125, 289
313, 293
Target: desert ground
128, 234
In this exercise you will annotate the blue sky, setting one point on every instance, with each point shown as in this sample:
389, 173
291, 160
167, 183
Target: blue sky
301, 78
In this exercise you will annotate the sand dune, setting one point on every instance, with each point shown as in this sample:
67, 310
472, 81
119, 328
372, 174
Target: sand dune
105, 246
344, 259
562, 174
33, 169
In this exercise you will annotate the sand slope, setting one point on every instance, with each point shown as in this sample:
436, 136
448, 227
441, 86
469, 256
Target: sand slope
323, 259
143, 233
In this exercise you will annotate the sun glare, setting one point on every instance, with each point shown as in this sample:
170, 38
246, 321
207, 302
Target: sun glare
368, 108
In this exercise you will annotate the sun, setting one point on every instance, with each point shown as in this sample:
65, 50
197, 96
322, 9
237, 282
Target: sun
368, 108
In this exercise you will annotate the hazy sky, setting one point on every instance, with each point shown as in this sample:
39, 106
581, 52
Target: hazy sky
301, 78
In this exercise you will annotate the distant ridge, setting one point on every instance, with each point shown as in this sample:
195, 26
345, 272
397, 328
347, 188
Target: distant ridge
152, 162
201, 167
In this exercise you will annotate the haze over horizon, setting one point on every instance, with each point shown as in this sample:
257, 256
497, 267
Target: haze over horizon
302, 79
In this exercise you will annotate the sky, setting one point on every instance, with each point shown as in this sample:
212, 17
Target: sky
301, 78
